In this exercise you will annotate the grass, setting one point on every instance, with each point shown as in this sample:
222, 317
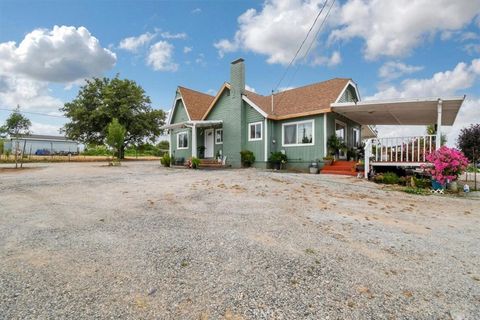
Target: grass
419, 191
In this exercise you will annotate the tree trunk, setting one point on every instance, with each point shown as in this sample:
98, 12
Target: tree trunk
23, 152
121, 153
16, 154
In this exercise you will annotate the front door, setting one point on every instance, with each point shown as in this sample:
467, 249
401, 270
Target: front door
341, 132
209, 143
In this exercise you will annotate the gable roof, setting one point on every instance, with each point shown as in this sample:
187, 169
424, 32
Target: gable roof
311, 99
196, 103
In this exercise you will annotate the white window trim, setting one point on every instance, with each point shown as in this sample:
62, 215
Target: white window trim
216, 136
261, 131
358, 136
346, 129
178, 140
312, 121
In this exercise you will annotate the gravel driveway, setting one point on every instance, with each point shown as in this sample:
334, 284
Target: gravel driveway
83, 240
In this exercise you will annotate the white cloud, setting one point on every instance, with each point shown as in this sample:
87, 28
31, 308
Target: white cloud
29, 94
168, 35
392, 70
63, 54
247, 87
331, 61
187, 49
47, 129
160, 57
276, 31
196, 11
394, 28
441, 84
133, 43
201, 60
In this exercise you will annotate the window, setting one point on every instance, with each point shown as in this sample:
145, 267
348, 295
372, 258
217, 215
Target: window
218, 136
182, 140
298, 133
356, 137
255, 131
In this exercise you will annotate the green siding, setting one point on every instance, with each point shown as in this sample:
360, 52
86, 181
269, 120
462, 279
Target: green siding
350, 125
349, 95
180, 115
257, 147
300, 157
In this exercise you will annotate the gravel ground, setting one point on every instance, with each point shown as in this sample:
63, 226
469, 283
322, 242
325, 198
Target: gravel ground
82, 240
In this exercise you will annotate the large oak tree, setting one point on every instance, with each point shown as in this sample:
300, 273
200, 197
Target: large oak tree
100, 101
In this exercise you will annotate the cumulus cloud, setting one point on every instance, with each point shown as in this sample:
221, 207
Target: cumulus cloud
196, 11
132, 44
63, 54
394, 28
29, 94
392, 70
441, 84
331, 61
42, 128
160, 57
247, 87
187, 49
276, 31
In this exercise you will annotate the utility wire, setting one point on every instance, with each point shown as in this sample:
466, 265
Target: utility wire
35, 113
309, 48
301, 45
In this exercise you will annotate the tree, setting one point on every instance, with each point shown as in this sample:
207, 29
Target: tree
163, 145
16, 126
469, 142
432, 130
100, 101
115, 136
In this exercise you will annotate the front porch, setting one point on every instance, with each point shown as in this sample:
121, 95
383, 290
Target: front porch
401, 151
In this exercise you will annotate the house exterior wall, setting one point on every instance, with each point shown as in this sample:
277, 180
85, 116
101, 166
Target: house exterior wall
257, 147
331, 117
349, 95
300, 157
180, 115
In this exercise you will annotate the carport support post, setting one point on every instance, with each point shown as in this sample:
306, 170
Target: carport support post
438, 139
194, 141
367, 155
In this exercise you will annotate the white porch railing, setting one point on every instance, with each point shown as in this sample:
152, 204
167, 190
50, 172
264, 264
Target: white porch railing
398, 150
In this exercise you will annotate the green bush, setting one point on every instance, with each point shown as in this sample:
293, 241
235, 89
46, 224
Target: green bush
247, 158
421, 183
416, 191
195, 162
390, 178
96, 150
165, 160
378, 178
277, 157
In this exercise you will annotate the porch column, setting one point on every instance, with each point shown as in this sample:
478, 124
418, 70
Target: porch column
194, 141
367, 155
438, 140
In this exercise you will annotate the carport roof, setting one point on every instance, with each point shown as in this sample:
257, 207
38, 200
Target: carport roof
421, 111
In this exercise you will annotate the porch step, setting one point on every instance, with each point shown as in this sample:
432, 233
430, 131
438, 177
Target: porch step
211, 164
340, 167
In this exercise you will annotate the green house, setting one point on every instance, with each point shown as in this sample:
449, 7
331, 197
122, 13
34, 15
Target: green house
296, 122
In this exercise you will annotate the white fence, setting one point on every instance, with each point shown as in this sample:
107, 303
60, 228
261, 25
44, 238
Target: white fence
401, 149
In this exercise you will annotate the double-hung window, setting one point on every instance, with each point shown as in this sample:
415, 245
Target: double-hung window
218, 136
255, 131
182, 140
298, 133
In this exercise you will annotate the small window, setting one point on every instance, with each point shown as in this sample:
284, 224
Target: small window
182, 140
298, 133
255, 131
218, 136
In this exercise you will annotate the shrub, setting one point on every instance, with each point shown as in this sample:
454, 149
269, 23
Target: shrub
390, 178
421, 182
194, 163
247, 158
448, 164
416, 191
165, 160
277, 157
378, 178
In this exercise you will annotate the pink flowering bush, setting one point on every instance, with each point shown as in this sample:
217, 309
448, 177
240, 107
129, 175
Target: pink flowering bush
448, 164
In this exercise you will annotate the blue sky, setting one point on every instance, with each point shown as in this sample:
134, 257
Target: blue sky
392, 50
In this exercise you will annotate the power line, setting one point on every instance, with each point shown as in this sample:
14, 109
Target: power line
35, 113
301, 45
309, 47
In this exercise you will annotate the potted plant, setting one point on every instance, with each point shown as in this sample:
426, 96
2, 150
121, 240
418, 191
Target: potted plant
446, 165
328, 160
194, 163
313, 168
277, 159
335, 145
218, 156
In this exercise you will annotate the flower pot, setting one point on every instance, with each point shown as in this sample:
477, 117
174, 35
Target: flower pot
437, 185
276, 165
453, 186
327, 162
313, 170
